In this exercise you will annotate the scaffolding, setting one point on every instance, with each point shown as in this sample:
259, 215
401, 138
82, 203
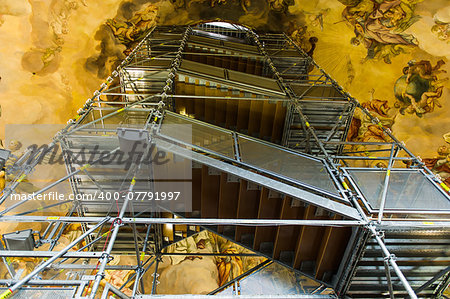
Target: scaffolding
368, 196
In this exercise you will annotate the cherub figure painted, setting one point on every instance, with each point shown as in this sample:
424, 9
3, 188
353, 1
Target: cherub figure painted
418, 90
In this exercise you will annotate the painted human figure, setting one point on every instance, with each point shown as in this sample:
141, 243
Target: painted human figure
441, 164
419, 88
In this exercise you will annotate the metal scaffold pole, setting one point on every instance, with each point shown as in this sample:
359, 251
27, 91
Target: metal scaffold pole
391, 259
42, 266
106, 255
305, 124
331, 163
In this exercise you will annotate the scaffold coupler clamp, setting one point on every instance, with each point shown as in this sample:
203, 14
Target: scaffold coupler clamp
163, 99
101, 275
107, 256
418, 161
377, 233
110, 79
375, 120
157, 114
371, 224
117, 221
161, 103
390, 257
381, 234
158, 257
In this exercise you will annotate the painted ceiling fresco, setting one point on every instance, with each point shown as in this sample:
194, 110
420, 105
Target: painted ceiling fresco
391, 55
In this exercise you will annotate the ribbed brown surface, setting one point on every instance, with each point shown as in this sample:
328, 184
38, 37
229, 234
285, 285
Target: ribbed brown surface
314, 250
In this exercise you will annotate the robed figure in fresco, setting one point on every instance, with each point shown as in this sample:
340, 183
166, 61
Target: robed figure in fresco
380, 26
